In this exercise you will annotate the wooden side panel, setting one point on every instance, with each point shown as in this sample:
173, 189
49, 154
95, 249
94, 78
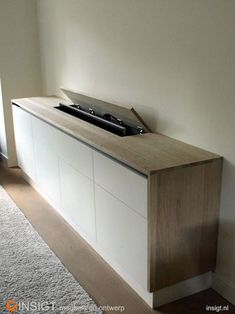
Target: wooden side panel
183, 223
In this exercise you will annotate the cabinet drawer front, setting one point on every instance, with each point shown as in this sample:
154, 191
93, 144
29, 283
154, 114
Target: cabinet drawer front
46, 159
77, 196
124, 183
122, 233
47, 172
77, 154
24, 141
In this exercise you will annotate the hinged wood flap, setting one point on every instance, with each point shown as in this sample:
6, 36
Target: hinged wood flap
127, 115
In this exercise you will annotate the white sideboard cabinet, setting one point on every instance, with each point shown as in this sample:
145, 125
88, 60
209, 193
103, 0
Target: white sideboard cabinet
147, 204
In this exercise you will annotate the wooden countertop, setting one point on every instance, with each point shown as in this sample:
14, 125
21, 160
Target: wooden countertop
147, 153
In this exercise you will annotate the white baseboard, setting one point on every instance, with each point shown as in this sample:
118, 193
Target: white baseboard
3, 156
4, 159
8, 162
224, 287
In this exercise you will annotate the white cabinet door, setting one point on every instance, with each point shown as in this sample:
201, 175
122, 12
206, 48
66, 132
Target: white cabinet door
77, 194
76, 154
124, 183
122, 233
46, 159
24, 140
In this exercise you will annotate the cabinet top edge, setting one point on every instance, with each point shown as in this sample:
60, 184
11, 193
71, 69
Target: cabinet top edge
147, 153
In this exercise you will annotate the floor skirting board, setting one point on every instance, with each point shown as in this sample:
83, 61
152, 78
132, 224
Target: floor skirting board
3, 157
224, 287
7, 161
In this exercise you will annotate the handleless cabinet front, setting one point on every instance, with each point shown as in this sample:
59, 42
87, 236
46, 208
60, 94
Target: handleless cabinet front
122, 233
46, 159
24, 140
77, 198
124, 183
64, 171
121, 215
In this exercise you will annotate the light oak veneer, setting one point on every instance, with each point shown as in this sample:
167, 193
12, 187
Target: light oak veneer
126, 114
147, 153
183, 223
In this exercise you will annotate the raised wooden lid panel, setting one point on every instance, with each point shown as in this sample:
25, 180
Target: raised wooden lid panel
127, 114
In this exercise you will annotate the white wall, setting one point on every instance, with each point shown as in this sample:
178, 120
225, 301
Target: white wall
173, 60
19, 62
3, 144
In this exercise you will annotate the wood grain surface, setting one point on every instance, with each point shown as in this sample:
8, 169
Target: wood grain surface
147, 153
126, 114
183, 223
